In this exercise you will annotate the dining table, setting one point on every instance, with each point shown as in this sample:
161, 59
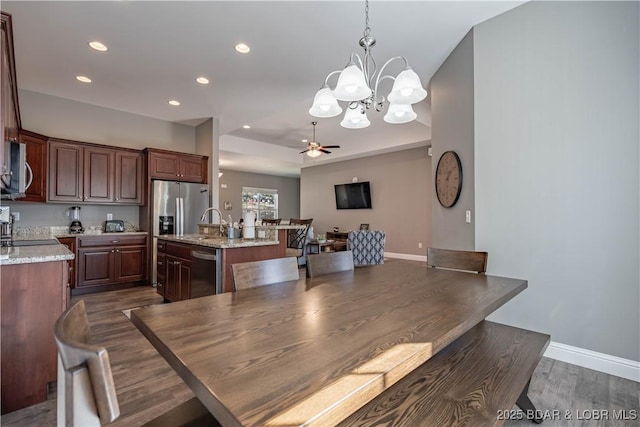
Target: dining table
313, 351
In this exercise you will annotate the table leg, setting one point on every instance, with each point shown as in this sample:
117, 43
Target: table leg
526, 405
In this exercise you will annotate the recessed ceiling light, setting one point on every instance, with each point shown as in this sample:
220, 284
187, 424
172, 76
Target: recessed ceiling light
174, 102
203, 80
242, 48
305, 140
83, 79
246, 126
98, 46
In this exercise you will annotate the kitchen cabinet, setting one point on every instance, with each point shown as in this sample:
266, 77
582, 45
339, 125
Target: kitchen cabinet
37, 151
175, 166
29, 308
109, 262
70, 243
174, 271
9, 108
96, 174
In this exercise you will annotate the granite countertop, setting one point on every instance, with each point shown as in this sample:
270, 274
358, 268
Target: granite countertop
123, 233
33, 254
217, 242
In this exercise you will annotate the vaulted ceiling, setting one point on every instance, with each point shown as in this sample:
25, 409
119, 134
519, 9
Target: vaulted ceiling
157, 49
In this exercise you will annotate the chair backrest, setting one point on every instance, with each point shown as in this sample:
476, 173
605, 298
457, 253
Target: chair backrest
367, 246
272, 221
329, 262
297, 238
86, 392
457, 260
260, 273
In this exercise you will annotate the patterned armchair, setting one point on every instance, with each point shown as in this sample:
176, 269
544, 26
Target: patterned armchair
367, 246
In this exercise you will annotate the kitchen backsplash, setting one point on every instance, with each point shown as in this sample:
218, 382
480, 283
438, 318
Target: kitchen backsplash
52, 215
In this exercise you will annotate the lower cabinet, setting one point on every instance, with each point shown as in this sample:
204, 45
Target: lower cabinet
70, 243
107, 261
181, 272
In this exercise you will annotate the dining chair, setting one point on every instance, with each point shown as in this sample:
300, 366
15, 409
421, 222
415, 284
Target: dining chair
329, 262
367, 246
86, 392
457, 260
297, 238
261, 273
271, 221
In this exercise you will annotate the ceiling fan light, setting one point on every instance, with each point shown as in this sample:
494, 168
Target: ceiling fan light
313, 153
400, 113
407, 88
355, 118
352, 85
325, 104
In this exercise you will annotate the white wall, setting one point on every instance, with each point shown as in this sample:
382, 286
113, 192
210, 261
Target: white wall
557, 158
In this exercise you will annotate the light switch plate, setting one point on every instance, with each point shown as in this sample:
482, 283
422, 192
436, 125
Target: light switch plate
467, 217
109, 216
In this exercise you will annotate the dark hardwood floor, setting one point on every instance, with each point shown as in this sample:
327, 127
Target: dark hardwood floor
147, 386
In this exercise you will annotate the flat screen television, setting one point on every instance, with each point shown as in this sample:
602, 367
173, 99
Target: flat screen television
353, 196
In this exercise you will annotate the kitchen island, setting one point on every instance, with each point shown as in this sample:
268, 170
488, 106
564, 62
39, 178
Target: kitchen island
33, 292
182, 270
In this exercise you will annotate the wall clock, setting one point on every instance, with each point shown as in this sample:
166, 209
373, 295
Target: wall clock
448, 179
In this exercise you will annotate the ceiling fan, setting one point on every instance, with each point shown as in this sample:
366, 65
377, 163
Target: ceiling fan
314, 149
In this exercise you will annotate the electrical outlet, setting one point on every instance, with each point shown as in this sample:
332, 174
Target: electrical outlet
420, 245
109, 216
16, 216
467, 217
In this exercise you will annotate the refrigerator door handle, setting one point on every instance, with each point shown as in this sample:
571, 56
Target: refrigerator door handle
178, 216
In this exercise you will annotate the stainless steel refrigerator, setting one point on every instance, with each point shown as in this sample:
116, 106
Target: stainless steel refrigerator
177, 207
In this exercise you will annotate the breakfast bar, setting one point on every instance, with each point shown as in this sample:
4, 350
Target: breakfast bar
315, 350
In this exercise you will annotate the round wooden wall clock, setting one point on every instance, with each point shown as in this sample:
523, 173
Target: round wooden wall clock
448, 179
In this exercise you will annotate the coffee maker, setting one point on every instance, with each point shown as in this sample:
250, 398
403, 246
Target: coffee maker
76, 226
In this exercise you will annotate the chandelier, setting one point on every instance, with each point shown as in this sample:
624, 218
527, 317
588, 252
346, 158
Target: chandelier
358, 85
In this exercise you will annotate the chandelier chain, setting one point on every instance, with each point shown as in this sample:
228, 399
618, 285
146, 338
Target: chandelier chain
367, 30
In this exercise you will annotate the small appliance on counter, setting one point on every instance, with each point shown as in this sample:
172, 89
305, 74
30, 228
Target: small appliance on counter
76, 226
6, 226
114, 226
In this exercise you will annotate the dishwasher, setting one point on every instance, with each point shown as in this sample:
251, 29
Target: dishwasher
204, 272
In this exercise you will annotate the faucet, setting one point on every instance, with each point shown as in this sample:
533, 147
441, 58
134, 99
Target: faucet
206, 211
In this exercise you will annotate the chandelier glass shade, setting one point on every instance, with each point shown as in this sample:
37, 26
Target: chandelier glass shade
313, 152
358, 85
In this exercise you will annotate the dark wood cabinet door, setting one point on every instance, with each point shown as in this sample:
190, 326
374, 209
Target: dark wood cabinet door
129, 178
99, 168
66, 168
193, 169
184, 272
36, 146
172, 285
164, 166
130, 263
161, 266
70, 243
95, 266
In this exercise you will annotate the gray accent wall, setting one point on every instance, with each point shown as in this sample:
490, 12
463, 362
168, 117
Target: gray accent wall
400, 197
452, 109
557, 182
288, 192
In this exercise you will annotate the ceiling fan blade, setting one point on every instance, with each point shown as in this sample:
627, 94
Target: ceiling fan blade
302, 152
324, 151
330, 146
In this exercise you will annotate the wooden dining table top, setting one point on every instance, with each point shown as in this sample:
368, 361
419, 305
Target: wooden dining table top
312, 351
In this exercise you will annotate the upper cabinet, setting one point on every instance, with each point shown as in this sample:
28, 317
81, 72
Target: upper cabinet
9, 109
175, 166
37, 163
88, 173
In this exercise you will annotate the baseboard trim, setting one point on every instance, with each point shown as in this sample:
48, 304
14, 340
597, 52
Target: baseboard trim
409, 257
601, 362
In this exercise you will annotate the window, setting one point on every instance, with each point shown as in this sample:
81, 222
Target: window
262, 201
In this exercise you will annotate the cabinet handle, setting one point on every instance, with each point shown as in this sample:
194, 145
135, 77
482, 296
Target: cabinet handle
115, 241
160, 263
118, 250
112, 251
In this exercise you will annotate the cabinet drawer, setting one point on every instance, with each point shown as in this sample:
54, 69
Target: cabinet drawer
179, 250
85, 242
162, 246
